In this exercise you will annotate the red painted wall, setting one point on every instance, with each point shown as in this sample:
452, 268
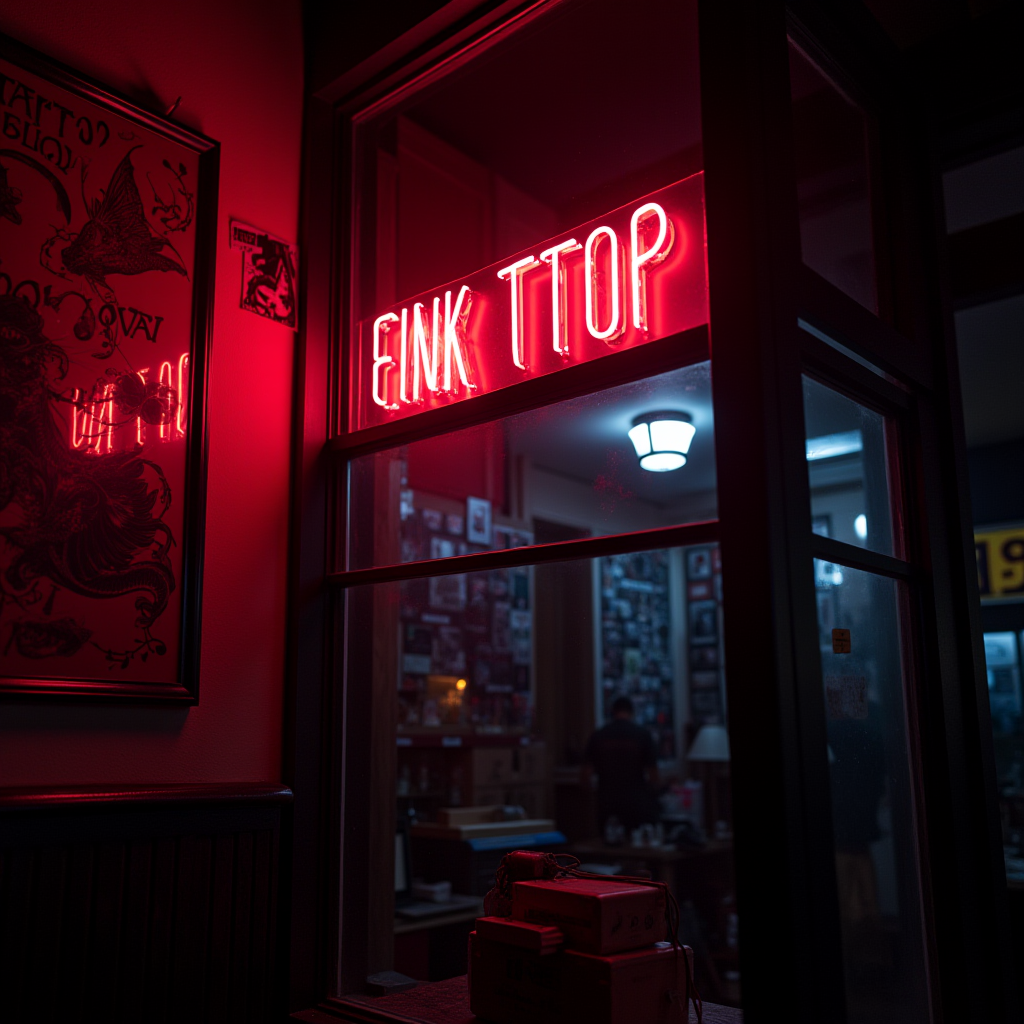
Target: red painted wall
237, 64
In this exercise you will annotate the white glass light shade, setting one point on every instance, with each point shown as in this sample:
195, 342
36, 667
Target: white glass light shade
860, 526
662, 439
640, 435
710, 744
663, 462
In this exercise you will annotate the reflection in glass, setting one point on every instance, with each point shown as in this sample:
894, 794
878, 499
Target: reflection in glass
848, 469
491, 689
872, 795
830, 142
1003, 665
488, 160
479, 489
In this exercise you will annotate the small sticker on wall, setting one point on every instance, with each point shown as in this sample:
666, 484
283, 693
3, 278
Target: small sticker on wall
840, 641
846, 697
269, 273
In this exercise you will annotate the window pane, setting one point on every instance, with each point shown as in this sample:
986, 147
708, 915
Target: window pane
515, 191
873, 809
491, 158
630, 458
848, 469
487, 692
830, 141
1003, 664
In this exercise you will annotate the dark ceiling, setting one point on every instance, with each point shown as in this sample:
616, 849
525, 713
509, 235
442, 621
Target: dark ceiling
545, 86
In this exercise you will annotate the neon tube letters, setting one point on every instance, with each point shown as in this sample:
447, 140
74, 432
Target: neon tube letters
632, 276
597, 282
93, 424
559, 334
514, 275
640, 261
382, 362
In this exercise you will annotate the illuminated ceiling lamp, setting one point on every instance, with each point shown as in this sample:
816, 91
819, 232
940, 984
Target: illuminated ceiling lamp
662, 439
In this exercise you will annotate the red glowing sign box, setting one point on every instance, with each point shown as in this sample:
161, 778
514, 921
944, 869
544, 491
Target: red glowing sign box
635, 275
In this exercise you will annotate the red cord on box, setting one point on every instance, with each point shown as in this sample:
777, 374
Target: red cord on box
528, 865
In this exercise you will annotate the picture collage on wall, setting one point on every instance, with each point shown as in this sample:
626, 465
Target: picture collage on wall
704, 641
636, 642
467, 640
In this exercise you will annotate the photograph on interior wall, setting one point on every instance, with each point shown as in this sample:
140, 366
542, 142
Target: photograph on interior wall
478, 520
107, 214
637, 644
704, 622
698, 564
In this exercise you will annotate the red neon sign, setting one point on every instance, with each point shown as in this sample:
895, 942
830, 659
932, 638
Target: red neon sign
632, 276
98, 423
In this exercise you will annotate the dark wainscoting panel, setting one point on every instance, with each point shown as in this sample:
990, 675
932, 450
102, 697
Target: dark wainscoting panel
159, 904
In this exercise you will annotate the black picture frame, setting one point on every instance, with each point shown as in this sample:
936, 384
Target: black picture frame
128, 127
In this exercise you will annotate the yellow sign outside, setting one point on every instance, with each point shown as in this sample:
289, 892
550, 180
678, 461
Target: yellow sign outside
1000, 555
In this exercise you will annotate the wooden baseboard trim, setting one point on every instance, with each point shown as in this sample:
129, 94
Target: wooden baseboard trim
27, 798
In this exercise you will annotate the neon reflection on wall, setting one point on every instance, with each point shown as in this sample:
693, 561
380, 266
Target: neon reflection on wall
96, 426
637, 275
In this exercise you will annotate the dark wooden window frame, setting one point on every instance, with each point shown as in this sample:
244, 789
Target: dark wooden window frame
790, 950
918, 389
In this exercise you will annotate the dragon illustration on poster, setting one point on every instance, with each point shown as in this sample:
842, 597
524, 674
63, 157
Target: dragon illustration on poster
117, 238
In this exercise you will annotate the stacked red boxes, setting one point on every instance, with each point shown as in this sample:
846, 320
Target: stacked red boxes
615, 966
595, 915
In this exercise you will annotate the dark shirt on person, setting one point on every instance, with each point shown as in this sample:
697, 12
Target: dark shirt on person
622, 753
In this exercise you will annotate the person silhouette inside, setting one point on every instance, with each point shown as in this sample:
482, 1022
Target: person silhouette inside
623, 755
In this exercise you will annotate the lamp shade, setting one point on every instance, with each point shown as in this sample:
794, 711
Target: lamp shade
710, 744
662, 439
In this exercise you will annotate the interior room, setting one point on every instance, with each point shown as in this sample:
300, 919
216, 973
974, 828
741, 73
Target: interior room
503, 676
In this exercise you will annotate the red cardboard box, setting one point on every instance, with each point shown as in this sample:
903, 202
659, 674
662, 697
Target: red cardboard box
511, 985
596, 916
540, 938
643, 986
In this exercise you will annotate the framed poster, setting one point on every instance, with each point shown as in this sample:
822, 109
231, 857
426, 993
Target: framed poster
107, 226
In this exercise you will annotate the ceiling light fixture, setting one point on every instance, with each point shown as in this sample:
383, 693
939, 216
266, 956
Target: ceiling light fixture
662, 439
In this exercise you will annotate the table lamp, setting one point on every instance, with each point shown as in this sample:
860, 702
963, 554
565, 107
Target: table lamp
710, 748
